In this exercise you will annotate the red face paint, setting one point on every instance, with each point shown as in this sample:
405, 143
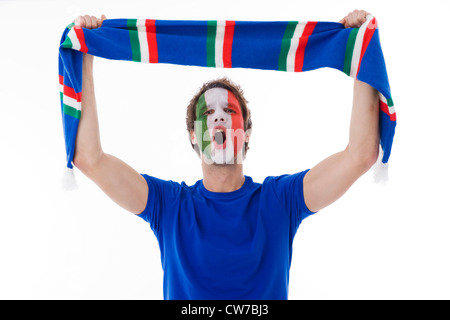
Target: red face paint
237, 126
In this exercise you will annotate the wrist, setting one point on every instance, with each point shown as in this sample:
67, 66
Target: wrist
88, 61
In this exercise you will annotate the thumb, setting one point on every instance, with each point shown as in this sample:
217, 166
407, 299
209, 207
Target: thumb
100, 21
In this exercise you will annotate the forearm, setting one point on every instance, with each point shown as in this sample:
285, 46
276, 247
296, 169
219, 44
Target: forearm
88, 146
364, 125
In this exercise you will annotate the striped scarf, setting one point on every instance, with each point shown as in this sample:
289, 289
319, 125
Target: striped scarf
283, 46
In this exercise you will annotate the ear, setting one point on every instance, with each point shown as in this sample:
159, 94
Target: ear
193, 137
248, 133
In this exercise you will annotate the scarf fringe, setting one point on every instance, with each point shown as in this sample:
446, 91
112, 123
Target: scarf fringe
68, 180
380, 170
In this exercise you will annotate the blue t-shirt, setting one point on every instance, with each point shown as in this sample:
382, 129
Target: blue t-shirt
235, 245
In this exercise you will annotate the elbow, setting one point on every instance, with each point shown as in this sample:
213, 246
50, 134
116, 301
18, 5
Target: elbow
80, 161
369, 159
364, 160
86, 162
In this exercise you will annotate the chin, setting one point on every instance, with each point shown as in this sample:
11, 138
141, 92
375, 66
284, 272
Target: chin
220, 159
223, 157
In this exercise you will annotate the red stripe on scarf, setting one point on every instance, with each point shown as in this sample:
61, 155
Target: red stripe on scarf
80, 35
384, 107
68, 91
151, 39
303, 42
228, 43
367, 38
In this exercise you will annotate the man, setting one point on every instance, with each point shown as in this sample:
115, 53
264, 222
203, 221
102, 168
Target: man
227, 237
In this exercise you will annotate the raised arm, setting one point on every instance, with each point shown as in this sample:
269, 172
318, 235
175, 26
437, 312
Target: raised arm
118, 180
331, 178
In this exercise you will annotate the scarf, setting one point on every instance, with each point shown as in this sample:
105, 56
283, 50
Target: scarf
283, 46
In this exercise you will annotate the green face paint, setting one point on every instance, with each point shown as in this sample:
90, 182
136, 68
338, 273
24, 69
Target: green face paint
201, 128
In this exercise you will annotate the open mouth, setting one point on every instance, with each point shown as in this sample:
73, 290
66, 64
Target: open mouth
220, 137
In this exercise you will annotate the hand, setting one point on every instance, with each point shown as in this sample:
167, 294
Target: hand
89, 22
355, 19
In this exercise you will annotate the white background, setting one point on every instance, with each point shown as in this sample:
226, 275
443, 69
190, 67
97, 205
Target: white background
377, 242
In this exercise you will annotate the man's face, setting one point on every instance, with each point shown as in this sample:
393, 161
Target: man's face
219, 127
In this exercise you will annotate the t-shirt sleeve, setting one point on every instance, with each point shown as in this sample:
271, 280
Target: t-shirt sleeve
289, 190
159, 191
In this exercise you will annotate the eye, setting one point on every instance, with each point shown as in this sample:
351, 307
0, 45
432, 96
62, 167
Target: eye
208, 112
228, 110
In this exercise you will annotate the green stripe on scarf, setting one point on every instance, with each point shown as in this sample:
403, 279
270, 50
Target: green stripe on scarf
390, 102
211, 44
134, 40
70, 111
285, 45
349, 51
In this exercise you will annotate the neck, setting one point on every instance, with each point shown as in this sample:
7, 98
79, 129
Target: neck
223, 178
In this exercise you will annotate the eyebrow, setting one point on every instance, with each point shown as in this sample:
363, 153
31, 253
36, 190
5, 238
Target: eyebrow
233, 105
227, 105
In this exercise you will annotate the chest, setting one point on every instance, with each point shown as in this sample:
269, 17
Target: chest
231, 234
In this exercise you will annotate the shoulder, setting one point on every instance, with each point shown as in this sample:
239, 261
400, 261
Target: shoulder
169, 187
285, 187
163, 197
289, 191
286, 180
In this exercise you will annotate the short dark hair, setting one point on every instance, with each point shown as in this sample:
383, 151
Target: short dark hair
227, 84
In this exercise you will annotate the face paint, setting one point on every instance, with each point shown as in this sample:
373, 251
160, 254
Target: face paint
219, 128
201, 127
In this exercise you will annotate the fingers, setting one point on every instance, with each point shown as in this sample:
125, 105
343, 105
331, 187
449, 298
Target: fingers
355, 19
103, 18
89, 22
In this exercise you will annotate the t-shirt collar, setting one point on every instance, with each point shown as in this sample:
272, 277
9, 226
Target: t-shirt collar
226, 195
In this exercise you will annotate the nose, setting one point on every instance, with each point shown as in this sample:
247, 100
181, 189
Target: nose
219, 116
